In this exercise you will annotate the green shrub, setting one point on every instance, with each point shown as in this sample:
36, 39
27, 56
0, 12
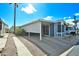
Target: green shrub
20, 31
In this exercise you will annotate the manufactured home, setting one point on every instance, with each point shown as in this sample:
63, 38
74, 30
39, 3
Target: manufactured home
3, 27
46, 28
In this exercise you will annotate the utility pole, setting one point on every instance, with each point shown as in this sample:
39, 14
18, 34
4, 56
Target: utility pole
14, 17
15, 6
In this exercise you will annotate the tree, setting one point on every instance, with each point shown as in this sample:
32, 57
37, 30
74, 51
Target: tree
75, 22
20, 31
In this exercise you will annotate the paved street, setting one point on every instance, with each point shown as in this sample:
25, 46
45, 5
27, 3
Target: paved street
14, 46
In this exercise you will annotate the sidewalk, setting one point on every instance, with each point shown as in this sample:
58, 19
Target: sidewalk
21, 49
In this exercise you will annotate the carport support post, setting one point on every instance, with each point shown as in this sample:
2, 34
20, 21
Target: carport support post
40, 31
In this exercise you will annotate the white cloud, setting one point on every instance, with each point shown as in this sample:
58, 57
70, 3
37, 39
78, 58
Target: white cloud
70, 21
48, 18
76, 14
67, 17
28, 9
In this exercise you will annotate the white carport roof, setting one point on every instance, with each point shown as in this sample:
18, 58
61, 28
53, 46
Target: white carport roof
39, 20
43, 20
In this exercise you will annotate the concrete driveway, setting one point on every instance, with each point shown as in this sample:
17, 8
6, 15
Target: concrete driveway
52, 46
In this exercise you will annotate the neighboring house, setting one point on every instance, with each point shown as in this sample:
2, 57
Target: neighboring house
12, 29
45, 28
3, 27
70, 29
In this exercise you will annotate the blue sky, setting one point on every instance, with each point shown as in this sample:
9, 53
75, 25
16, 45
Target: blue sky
34, 11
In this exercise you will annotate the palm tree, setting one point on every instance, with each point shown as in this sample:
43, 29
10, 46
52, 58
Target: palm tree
67, 25
75, 22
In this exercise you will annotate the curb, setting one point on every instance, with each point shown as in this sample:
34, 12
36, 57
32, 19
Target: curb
67, 52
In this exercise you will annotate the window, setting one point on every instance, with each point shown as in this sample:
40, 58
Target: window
62, 28
59, 27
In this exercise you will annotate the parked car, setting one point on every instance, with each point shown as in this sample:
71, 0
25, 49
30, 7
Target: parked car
71, 30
